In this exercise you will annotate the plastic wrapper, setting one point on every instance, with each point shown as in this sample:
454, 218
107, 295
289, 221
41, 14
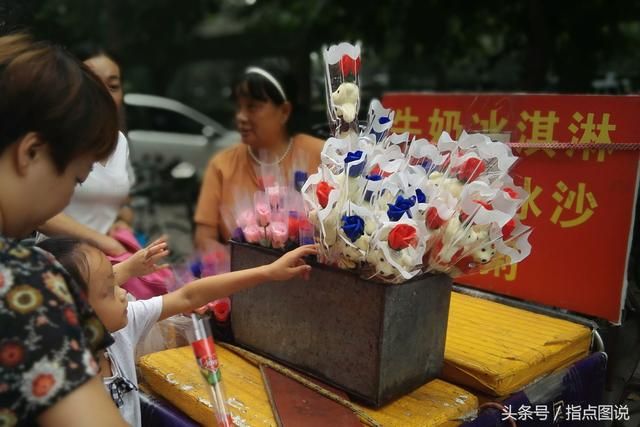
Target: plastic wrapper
379, 123
473, 213
174, 331
271, 216
271, 219
448, 207
355, 230
195, 327
397, 250
342, 84
324, 199
204, 351
169, 333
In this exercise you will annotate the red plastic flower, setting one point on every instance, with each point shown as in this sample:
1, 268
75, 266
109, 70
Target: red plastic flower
11, 354
348, 65
486, 205
470, 170
433, 219
293, 225
466, 264
507, 229
511, 192
447, 161
433, 255
402, 236
322, 193
221, 308
375, 170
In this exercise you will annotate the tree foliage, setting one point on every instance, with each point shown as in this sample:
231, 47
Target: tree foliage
532, 45
490, 45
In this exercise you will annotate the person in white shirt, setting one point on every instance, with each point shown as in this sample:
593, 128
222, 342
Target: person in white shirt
96, 203
129, 321
99, 205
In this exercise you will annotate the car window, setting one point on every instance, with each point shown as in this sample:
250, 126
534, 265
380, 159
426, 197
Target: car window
158, 119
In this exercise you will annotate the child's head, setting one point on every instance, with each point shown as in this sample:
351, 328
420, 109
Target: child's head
93, 272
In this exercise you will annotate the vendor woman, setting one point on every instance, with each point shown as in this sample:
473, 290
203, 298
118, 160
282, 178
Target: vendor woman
263, 118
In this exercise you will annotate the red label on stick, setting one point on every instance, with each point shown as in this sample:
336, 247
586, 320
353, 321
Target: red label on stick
205, 352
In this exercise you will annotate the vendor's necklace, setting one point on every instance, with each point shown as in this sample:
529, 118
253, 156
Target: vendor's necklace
277, 162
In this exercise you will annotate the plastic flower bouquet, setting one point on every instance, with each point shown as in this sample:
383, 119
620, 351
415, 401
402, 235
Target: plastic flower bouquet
392, 206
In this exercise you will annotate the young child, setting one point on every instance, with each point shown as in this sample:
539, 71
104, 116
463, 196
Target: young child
129, 321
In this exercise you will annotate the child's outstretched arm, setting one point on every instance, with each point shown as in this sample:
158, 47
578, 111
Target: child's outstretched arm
142, 262
202, 291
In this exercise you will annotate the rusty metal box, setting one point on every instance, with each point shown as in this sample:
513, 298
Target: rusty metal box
375, 341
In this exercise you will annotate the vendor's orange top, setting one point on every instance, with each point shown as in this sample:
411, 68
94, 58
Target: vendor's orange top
232, 178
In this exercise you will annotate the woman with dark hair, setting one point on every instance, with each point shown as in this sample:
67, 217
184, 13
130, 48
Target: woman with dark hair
99, 206
56, 120
264, 119
106, 65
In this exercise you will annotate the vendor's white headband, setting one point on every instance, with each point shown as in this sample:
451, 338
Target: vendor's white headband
268, 76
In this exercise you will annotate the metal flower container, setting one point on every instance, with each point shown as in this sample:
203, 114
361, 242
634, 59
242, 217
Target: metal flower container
376, 341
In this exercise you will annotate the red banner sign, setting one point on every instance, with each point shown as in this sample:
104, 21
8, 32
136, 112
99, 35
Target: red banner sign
581, 201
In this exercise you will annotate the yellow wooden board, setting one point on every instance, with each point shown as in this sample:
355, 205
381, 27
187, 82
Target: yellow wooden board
173, 374
436, 403
498, 349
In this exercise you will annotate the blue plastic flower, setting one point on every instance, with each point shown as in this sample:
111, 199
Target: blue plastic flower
427, 165
353, 227
378, 135
299, 178
238, 235
352, 157
401, 206
196, 268
422, 198
306, 240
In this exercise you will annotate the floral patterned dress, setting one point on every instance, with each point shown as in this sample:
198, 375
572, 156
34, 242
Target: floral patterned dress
48, 334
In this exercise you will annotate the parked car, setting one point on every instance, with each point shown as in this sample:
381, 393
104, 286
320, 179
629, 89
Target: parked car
165, 132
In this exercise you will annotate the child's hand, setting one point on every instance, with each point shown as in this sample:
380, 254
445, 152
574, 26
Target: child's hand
291, 264
144, 261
